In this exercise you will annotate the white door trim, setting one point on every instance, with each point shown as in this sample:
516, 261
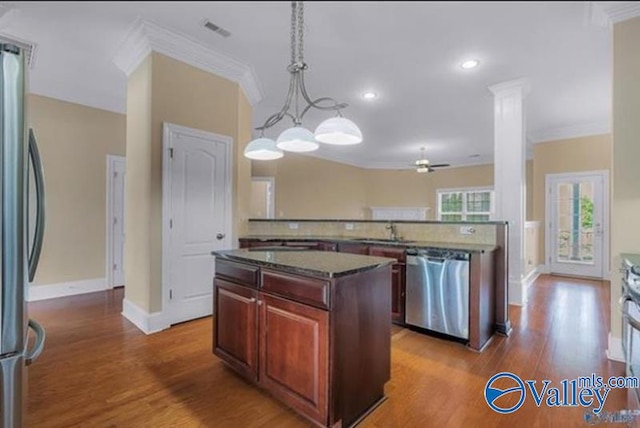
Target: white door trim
606, 274
168, 130
111, 161
271, 206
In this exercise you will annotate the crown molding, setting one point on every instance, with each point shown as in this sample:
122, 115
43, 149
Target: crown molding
145, 37
571, 131
29, 47
483, 160
4, 9
523, 85
607, 13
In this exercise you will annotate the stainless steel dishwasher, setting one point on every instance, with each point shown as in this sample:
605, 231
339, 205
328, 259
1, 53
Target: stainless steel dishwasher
437, 291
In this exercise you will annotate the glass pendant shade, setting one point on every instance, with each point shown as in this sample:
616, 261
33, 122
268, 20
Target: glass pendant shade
338, 131
422, 169
297, 139
263, 149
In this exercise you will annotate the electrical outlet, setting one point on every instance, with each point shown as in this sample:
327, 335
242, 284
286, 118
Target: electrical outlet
348, 226
293, 226
467, 230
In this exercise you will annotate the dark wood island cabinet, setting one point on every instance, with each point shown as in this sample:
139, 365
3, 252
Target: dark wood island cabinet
311, 328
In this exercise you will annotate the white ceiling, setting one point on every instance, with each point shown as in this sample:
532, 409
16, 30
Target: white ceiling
408, 52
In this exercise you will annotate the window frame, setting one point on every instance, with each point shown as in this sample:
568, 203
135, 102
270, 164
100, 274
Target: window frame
464, 213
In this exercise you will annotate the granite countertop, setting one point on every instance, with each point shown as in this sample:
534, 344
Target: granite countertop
315, 263
472, 248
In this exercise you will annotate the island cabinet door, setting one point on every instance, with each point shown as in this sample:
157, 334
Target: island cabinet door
397, 293
236, 327
294, 355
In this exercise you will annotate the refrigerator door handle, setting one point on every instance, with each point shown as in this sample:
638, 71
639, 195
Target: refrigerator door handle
33, 354
36, 249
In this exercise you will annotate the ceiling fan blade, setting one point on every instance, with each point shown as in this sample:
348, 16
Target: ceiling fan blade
439, 165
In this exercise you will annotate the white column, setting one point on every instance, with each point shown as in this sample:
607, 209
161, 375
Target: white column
509, 175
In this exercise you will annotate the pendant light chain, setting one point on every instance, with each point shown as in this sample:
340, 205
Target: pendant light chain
336, 130
297, 34
294, 7
300, 33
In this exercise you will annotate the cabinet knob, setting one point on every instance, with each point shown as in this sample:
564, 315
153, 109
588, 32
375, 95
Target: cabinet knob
220, 236
259, 302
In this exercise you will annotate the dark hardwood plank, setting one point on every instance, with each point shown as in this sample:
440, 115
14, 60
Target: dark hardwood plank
98, 370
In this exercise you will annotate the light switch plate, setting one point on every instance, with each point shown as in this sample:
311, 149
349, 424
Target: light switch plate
293, 226
348, 226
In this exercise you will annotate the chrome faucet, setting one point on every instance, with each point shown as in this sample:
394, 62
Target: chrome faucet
392, 231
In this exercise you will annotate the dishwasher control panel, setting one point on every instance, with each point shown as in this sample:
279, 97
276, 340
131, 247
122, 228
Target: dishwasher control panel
439, 253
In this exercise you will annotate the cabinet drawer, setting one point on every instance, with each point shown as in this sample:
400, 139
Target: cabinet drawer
394, 253
237, 272
312, 291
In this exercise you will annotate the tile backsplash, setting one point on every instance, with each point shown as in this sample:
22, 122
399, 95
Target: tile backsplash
483, 233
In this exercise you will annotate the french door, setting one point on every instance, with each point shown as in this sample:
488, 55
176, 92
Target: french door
577, 205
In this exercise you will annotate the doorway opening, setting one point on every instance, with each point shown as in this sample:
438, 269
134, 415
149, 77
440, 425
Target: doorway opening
262, 197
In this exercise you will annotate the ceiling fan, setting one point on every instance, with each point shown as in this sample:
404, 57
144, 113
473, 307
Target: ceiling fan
423, 165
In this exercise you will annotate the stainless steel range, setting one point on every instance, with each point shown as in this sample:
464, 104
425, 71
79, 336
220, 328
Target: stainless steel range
630, 305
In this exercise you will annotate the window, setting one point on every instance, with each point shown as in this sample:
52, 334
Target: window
465, 205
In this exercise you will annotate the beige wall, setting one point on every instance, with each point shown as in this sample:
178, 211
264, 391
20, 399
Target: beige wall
138, 186
74, 142
529, 189
165, 90
308, 187
625, 233
408, 188
591, 153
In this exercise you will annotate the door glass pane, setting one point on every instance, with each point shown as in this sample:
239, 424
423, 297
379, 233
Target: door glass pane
575, 222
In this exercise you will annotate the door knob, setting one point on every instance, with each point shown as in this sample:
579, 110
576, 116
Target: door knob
220, 236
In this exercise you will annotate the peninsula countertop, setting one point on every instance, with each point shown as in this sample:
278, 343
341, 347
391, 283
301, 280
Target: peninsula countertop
315, 263
408, 244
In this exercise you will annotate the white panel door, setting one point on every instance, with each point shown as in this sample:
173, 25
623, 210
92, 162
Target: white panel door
117, 223
199, 220
576, 210
116, 173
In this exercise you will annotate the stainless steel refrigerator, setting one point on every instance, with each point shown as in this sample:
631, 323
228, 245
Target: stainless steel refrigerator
20, 170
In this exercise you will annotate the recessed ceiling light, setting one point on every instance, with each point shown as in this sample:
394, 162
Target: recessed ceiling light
369, 95
470, 63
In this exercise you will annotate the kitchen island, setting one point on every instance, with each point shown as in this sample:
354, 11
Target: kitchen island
310, 327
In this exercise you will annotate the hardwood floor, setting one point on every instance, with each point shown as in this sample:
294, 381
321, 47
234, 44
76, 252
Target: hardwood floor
98, 370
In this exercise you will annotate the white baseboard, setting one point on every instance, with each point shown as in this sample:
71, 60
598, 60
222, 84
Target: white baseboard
517, 292
62, 289
615, 352
532, 276
146, 322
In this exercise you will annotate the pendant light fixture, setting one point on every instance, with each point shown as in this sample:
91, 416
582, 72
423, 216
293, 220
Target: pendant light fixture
336, 130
